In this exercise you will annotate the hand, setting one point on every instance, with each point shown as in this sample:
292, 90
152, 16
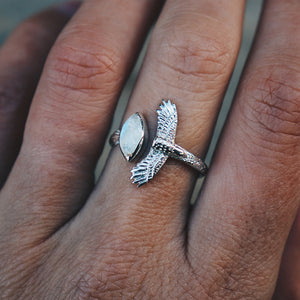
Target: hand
62, 237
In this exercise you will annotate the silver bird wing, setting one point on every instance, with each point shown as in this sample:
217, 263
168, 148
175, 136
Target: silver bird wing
167, 121
166, 129
148, 167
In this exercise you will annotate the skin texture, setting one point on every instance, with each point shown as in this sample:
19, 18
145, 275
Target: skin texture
63, 237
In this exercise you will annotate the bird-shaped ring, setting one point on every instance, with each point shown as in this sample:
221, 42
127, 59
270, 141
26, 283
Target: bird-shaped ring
133, 136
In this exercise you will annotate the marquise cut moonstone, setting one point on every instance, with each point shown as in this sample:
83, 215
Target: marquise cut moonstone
132, 136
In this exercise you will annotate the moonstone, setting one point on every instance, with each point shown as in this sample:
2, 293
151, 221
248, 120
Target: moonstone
132, 136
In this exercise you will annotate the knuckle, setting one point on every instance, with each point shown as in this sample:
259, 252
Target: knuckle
9, 100
126, 268
93, 286
31, 32
81, 67
193, 54
32, 27
273, 109
229, 278
229, 283
110, 278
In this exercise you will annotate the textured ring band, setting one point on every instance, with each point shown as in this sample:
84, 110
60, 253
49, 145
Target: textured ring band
133, 136
179, 153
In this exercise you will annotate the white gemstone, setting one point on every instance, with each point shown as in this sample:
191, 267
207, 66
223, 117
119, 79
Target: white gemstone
132, 136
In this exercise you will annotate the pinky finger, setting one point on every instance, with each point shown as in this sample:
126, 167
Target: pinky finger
21, 62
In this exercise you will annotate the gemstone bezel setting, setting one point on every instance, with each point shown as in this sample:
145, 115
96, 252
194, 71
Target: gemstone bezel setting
133, 137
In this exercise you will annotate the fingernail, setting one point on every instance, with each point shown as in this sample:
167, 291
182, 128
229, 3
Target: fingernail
68, 8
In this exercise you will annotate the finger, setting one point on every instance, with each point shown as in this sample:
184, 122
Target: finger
72, 109
21, 61
252, 193
288, 284
190, 59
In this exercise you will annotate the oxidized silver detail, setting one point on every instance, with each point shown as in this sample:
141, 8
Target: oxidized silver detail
164, 147
115, 138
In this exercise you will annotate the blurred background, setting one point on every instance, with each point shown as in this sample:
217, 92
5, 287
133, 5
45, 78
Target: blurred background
13, 12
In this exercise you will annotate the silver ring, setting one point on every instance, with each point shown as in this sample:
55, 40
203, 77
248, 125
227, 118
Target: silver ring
133, 137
